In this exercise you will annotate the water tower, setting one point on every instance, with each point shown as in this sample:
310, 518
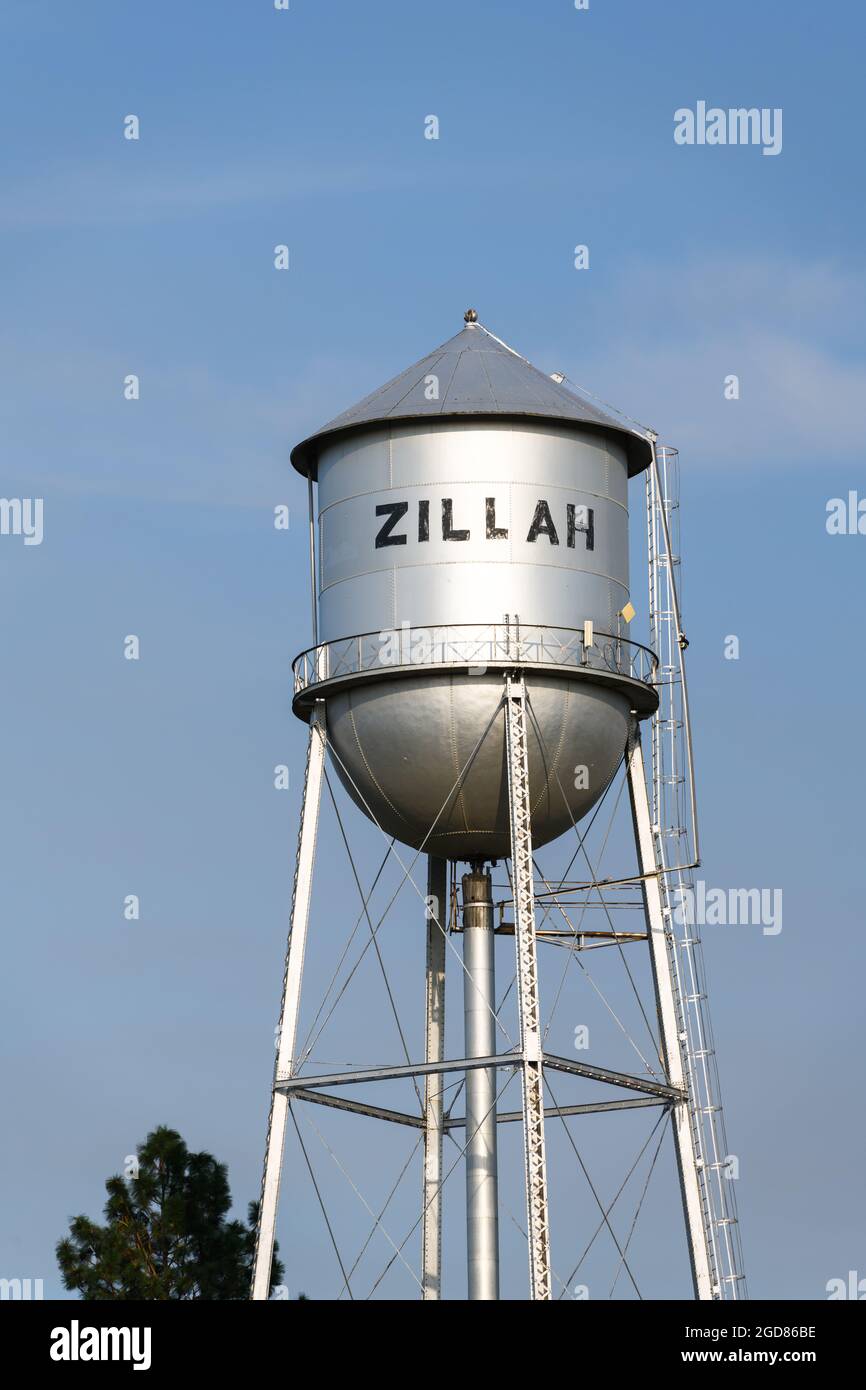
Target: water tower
473, 683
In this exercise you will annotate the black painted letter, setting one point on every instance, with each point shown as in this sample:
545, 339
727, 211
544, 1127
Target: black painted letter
448, 533
394, 511
542, 524
494, 532
587, 526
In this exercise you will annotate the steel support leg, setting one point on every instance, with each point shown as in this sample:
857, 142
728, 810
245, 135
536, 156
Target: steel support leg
437, 918
479, 1003
289, 1009
672, 1035
527, 988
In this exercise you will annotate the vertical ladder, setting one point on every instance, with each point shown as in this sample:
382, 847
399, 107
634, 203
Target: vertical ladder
677, 854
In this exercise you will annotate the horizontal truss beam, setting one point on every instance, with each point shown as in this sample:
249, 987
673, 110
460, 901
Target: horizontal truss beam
399, 1117
357, 1107
613, 1078
350, 1078
558, 935
554, 1111
297, 1084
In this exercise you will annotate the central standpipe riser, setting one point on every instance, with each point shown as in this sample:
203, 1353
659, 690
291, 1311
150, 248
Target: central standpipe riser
482, 1180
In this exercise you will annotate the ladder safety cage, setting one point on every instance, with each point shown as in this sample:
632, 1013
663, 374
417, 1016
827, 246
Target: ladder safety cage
677, 852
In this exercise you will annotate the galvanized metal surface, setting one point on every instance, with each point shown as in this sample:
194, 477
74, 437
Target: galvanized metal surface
399, 1072
463, 521
289, 1008
479, 1004
528, 1000
433, 524
400, 746
672, 1029
431, 1225
615, 660
473, 373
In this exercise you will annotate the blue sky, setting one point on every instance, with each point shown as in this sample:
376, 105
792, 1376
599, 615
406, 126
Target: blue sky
155, 257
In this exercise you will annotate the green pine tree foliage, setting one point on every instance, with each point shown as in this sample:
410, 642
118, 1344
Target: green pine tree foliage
166, 1232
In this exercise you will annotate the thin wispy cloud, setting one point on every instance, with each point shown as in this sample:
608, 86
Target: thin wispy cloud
99, 197
128, 192
784, 329
194, 437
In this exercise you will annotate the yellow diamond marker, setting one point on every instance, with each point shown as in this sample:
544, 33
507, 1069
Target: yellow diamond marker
628, 612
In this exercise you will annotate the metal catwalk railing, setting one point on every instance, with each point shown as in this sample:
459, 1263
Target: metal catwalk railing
675, 831
476, 646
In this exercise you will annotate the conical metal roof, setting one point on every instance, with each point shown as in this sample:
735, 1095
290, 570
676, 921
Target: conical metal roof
478, 376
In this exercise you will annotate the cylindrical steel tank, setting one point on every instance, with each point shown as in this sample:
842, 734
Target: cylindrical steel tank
468, 521
472, 517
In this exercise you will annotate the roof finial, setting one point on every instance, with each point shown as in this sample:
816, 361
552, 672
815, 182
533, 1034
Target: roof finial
471, 316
